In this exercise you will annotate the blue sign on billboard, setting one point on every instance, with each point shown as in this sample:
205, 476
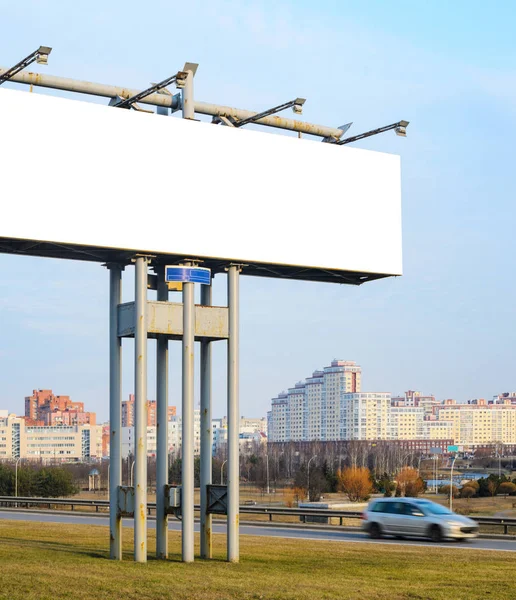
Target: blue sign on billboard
453, 448
188, 274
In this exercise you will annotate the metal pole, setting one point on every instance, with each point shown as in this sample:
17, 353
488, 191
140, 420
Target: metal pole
187, 448
140, 411
188, 97
233, 552
206, 435
16, 480
451, 482
203, 108
162, 428
222, 472
268, 489
308, 476
115, 412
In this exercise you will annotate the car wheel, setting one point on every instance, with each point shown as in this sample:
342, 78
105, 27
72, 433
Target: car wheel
375, 532
436, 534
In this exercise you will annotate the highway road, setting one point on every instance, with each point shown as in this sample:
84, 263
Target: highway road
276, 531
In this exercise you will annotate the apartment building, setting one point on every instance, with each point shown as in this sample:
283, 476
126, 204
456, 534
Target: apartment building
341, 377
479, 422
251, 432
297, 412
330, 406
53, 443
44, 408
364, 416
311, 410
152, 414
313, 390
405, 422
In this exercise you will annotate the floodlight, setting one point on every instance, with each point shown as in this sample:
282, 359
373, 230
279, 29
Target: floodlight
154, 89
402, 129
42, 55
298, 106
181, 79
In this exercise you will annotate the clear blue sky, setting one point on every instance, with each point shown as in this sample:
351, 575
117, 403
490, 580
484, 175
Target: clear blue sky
446, 327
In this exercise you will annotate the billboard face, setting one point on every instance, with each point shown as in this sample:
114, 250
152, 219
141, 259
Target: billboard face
87, 174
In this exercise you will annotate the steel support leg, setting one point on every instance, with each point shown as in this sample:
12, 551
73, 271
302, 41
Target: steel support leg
115, 412
187, 446
233, 415
206, 435
162, 428
140, 411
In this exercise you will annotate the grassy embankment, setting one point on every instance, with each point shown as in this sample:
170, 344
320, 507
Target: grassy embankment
45, 561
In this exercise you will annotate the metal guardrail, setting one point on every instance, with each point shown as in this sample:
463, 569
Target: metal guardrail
28, 502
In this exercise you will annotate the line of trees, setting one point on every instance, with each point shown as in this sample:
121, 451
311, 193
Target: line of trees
34, 481
491, 486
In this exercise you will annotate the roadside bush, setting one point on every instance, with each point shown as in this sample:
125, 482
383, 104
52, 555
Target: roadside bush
356, 483
467, 492
506, 488
445, 489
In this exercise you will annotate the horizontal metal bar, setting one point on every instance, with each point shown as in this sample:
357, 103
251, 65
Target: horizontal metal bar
154, 89
203, 108
238, 114
257, 510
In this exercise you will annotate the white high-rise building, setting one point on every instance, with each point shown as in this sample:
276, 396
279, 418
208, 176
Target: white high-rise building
365, 416
311, 410
297, 412
341, 377
313, 394
280, 419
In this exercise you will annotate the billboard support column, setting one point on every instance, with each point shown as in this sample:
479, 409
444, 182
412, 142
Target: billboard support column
115, 412
233, 552
187, 446
140, 410
206, 435
162, 427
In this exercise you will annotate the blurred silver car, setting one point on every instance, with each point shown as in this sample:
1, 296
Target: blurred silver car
415, 517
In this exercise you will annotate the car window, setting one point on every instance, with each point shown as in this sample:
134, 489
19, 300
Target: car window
435, 509
379, 507
394, 508
412, 510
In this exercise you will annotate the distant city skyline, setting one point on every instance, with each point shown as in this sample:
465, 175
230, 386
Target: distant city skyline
445, 326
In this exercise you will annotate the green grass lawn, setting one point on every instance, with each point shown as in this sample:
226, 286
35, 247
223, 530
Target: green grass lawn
50, 561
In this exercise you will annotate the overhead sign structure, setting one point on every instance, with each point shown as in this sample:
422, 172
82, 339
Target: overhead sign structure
123, 187
188, 274
298, 209
436, 450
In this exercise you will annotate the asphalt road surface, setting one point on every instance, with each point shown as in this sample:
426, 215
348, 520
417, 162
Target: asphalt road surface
265, 531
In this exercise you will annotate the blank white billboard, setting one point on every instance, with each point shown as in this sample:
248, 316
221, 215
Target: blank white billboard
82, 173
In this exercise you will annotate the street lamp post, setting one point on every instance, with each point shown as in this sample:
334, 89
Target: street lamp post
132, 473
267, 458
222, 472
16, 477
451, 482
308, 475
